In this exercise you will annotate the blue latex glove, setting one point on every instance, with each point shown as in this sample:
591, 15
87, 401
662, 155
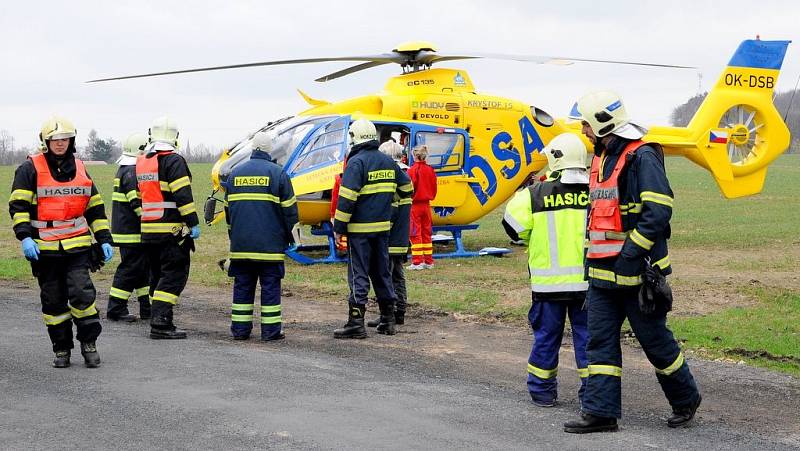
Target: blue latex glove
292, 247
195, 233
30, 249
108, 252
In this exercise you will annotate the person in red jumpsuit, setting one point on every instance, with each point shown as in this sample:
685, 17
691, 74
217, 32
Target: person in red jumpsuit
341, 247
424, 179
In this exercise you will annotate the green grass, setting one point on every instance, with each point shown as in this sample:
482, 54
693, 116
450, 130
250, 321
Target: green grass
703, 218
743, 235
767, 334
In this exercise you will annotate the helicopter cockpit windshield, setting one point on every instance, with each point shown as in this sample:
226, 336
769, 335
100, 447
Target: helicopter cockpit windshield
289, 132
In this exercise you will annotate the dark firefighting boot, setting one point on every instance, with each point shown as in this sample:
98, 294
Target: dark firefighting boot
125, 318
161, 325
354, 328
590, 423
387, 321
399, 318
90, 356
167, 333
683, 416
62, 359
118, 311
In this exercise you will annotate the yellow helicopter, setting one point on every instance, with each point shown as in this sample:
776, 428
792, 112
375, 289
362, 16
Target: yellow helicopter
484, 147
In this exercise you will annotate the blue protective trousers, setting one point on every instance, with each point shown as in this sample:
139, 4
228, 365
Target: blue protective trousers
608, 308
369, 261
547, 320
246, 275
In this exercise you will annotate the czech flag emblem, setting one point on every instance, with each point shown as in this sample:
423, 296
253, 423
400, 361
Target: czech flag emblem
718, 137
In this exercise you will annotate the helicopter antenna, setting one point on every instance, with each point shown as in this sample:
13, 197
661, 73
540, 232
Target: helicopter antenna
699, 82
791, 99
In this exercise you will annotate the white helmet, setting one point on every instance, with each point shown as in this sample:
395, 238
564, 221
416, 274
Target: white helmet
605, 113
164, 130
362, 131
565, 151
263, 141
134, 145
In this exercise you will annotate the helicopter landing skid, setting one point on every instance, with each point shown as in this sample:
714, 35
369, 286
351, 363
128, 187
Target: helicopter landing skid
459, 251
333, 256
326, 230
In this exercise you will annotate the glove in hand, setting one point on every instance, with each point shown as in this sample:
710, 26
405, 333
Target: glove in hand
30, 249
108, 252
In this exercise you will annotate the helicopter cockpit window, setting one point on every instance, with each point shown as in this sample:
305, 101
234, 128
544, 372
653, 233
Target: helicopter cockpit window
295, 129
288, 137
325, 146
445, 150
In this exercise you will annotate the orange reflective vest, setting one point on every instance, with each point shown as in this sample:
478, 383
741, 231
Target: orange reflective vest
606, 236
60, 205
153, 204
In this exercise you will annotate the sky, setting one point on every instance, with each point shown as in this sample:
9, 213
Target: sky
49, 49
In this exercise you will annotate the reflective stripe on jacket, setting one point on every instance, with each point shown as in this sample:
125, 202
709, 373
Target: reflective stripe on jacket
261, 210
645, 207
60, 205
126, 208
369, 185
150, 187
551, 217
606, 235
165, 185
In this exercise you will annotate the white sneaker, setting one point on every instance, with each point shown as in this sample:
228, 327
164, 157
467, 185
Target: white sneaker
427, 266
415, 267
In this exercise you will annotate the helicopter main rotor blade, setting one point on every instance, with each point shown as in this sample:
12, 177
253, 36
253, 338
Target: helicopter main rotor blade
381, 59
540, 59
350, 70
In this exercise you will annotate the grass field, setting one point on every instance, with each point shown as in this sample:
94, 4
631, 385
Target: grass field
736, 264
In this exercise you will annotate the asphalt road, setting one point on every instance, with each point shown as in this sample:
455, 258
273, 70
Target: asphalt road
208, 392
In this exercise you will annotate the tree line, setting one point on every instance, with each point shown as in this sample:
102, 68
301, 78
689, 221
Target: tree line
97, 149
787, 106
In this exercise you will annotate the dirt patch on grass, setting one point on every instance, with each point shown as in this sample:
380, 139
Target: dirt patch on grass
709, 280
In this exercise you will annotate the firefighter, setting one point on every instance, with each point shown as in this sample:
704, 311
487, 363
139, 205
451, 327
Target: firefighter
423, 178
168, 209
364, 214
56, 209
133, 272
261, 212
551, 217
631, 205
398, 239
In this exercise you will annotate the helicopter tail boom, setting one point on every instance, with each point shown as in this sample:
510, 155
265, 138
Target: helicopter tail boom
737, 131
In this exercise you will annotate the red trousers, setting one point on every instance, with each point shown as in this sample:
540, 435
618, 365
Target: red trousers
421, 230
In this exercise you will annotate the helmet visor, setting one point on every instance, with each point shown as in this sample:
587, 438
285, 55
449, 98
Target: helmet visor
64, 135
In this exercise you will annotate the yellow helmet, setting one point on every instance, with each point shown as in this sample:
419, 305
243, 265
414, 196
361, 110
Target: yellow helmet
164, 130
56, 128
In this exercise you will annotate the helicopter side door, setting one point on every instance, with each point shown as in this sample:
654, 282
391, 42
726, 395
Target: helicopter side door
448, 151
319, 157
